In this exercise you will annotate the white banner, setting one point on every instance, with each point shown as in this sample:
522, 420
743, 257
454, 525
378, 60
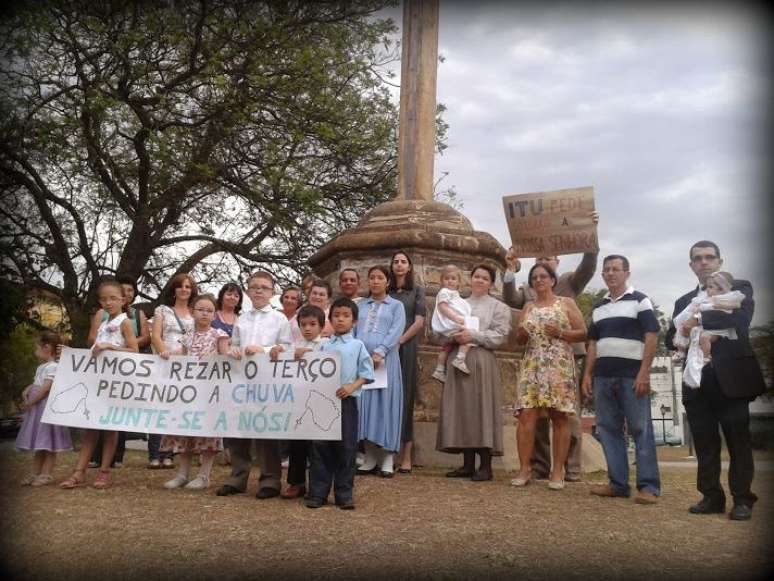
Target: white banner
215, 396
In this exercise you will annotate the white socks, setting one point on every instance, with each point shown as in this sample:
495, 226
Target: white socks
387, 461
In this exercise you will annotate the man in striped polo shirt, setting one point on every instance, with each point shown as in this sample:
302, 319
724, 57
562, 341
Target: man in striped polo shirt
622, 343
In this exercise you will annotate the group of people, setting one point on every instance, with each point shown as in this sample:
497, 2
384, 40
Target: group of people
564, 360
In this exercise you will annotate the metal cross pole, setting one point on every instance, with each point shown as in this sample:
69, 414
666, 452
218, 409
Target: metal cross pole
419, 67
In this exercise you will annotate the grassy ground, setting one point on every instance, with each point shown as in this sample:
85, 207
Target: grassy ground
422, 525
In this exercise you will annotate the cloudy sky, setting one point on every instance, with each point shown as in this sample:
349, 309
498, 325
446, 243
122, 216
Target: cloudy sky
662, 111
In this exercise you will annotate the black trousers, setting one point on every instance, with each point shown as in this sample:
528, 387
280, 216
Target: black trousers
298, 452
707, 409
96, 456
154, 443
333, 461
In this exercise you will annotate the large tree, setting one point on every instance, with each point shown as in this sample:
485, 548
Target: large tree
146, 139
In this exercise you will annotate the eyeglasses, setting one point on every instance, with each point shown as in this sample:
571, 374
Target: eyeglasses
540, 276
208, 311
260, 288
703, 257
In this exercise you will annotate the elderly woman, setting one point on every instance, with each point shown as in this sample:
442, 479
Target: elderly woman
550, 324
470, 420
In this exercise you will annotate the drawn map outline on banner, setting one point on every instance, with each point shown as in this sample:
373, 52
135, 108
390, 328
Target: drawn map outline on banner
210, 397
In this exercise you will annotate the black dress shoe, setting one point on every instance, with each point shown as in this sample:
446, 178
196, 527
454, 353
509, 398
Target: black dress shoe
373, 470
385, 474
481, 476
265, 493
740, 512
459, 473
314, 502
708, 506
227, 490
345, 504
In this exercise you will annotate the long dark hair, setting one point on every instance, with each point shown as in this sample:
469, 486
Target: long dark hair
409, 282
229, 286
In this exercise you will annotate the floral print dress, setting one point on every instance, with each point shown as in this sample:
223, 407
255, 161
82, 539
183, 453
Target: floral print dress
200, 344
547, 376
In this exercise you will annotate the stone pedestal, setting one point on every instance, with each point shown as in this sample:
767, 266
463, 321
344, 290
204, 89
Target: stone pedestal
433, 235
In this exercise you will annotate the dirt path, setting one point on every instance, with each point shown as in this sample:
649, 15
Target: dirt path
424, 526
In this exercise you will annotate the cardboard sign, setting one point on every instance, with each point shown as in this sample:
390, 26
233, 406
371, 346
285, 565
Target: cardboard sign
214, 396
552, 223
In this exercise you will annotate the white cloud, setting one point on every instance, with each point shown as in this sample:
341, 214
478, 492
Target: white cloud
662, 111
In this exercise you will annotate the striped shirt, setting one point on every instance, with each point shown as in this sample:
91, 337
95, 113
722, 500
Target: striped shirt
618, 326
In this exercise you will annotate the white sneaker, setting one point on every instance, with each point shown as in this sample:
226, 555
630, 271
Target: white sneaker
440, 375
176, 482
198, 483
460, 364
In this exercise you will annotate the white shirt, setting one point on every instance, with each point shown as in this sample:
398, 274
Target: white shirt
264, 327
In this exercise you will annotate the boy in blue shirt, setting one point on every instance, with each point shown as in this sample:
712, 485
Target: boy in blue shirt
334, 461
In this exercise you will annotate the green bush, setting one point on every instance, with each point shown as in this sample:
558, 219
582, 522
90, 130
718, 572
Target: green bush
17, 366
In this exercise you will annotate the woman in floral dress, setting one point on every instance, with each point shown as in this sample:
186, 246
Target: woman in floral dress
549, 326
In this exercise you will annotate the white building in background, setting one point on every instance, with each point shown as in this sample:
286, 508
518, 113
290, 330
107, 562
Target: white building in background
666, 380
666, 405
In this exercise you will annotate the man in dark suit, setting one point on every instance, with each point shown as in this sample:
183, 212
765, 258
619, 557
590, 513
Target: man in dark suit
729, 382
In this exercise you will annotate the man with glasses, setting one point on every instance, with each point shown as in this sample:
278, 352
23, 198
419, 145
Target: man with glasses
728, 383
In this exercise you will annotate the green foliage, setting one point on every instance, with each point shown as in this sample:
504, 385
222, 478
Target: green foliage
17, 365
143, 139
586, 301
13, 307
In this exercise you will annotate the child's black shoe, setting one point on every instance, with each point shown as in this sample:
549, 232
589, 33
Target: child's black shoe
314, 502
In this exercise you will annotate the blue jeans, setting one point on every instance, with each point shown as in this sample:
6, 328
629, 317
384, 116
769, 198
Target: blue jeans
615, 400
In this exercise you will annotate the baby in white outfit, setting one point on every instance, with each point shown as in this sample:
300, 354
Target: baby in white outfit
449, 319
697, 347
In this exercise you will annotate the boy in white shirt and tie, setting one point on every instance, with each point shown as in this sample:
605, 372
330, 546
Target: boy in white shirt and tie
262, 330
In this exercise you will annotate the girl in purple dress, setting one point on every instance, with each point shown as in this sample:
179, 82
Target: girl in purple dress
45, 440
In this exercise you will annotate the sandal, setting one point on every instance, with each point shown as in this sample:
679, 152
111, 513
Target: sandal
102, 480
43, 480
73, 481
28, 480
